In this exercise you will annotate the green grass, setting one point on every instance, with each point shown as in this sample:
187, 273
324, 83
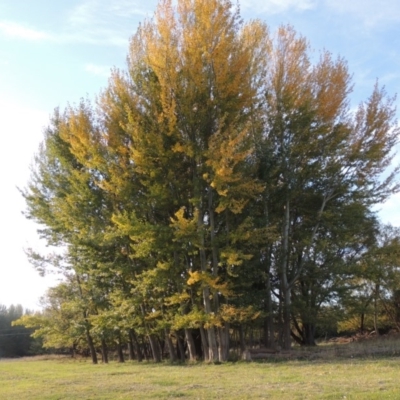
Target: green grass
71, 379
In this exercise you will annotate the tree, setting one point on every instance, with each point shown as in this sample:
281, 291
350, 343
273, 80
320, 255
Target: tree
320, 157
373, 302
193, 81
220, 181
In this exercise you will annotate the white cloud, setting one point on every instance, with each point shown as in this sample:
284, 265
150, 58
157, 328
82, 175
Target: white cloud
372, 13
14, 29
97, 12
105, 22
389, 211
277, 6
99, 22
99, 70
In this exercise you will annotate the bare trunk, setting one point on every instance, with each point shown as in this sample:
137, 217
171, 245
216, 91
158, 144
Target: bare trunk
171, 349
308, 334
362, 322
190, 344
269, 320
214, 249
241, 338
376, 295
180, 347
131, 347
136, 343
204, 343
287, 342
155, 349
104, 352
285, 291
87, 330
269, 326
212, 342
223, 349
213, 348
120, 352
92, 349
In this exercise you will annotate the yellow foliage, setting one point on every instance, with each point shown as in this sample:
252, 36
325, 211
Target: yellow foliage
230, 313
195, 277
210, 282
177, 298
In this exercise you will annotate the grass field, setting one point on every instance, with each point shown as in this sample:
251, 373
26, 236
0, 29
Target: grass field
368, 378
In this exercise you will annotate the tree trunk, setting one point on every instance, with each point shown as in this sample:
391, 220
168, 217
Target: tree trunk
92, 349
104, 352
136, 344
87, 331
223, 338
190, 345
308, 334
155, 349
241, 338
213, 347
376, 295
362, 322
269, 327
131, 347
285, 288
180, 347
146, 350
120, 352
212, 342
171, 350
204, 343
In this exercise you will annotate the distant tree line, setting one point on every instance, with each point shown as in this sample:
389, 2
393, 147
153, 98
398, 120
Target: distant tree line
15, 341
218, 195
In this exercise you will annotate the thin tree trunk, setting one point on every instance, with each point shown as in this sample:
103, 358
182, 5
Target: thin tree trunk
92, 349
180, 346
362, 322
269, 320
223, 348
241, 339
87, 330
190, 344
136, 344
171, 349
120, 352
146, 350
131, 347
155, 349
308, 335
104, 352
286, 292
204, 343
212, 342
269, 326
376, 295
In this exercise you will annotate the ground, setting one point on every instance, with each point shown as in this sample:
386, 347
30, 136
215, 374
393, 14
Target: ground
353, 371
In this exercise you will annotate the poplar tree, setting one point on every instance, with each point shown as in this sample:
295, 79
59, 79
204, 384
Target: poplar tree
223, 174
194, 79
320, 156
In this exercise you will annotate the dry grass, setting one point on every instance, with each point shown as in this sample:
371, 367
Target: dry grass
383, 346
343, 348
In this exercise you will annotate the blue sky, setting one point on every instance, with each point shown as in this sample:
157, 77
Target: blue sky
55, 52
